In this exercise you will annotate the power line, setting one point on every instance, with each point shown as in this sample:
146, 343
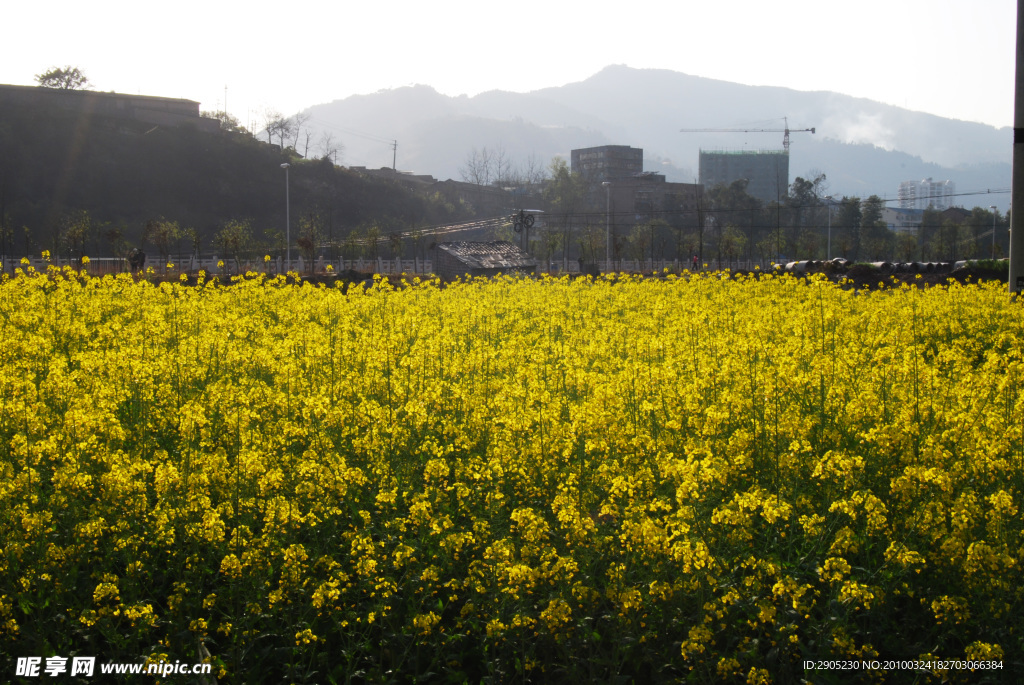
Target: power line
366, 136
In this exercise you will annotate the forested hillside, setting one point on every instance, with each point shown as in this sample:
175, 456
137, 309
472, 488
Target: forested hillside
79, 184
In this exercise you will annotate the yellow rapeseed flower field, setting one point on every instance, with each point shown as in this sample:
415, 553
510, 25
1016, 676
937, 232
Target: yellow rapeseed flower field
704, 478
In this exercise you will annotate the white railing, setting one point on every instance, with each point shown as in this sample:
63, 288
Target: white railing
99, 266
215, 265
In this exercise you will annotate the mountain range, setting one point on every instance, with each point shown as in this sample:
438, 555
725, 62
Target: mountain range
862, 146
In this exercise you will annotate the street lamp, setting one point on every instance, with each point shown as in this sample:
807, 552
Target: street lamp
287, 219
993, 208
828, 199
607, 224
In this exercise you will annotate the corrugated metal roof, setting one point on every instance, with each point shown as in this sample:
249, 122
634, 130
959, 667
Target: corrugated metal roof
496, 254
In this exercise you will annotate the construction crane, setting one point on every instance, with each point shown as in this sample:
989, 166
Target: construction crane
785, 138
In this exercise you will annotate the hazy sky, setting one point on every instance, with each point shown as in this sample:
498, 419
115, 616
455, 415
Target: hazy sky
954, 59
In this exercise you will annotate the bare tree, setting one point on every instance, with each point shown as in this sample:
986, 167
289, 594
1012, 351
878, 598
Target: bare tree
298, 122
276, 124
305, 149
502, 164
533, 170
478, 167
329, 147
271, 121
470, 169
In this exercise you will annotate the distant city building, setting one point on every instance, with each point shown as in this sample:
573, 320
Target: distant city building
901, 220
607, 162
926, 193
766, 171
631, 196
145, 109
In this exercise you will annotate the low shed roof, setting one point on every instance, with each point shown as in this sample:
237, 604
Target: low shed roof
496, 254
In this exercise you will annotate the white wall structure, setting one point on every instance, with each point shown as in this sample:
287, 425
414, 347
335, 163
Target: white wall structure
902, 220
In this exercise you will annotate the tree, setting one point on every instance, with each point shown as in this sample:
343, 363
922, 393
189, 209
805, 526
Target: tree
296, 125
395, 243
478, 167
329, 147
75, 230
532, 171
639, 242
195, 238
373, 234
351, 245
114, 236
808, 243
980, 224
163, 234
276, 124
846, 225
565, 194
68, 78
732, 204
311, 235
732, 242
930, 235
227, 121
234, 239
703, 205
591, 241
906, 246
503, 171
802, 202
876, 237
551, 241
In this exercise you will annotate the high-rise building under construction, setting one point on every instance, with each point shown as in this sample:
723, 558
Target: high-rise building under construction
766, 171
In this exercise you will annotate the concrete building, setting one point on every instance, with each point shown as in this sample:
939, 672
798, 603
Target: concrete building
607, 162
633, 196
926, 193
766, 171
145, 109
644, 197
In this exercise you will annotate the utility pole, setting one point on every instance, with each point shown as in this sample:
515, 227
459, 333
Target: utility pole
287, 218
3, 224
828, 199
993, 208
1016, 280
394, 155
608, 225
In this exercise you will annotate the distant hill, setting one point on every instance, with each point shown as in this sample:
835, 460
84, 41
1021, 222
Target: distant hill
864, 147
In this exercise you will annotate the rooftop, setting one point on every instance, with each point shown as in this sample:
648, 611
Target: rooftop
495, 254
724, 151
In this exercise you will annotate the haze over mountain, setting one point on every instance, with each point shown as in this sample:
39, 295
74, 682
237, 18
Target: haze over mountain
864, 147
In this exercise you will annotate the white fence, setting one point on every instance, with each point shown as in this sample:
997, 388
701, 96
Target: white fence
99, 266
649, 265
